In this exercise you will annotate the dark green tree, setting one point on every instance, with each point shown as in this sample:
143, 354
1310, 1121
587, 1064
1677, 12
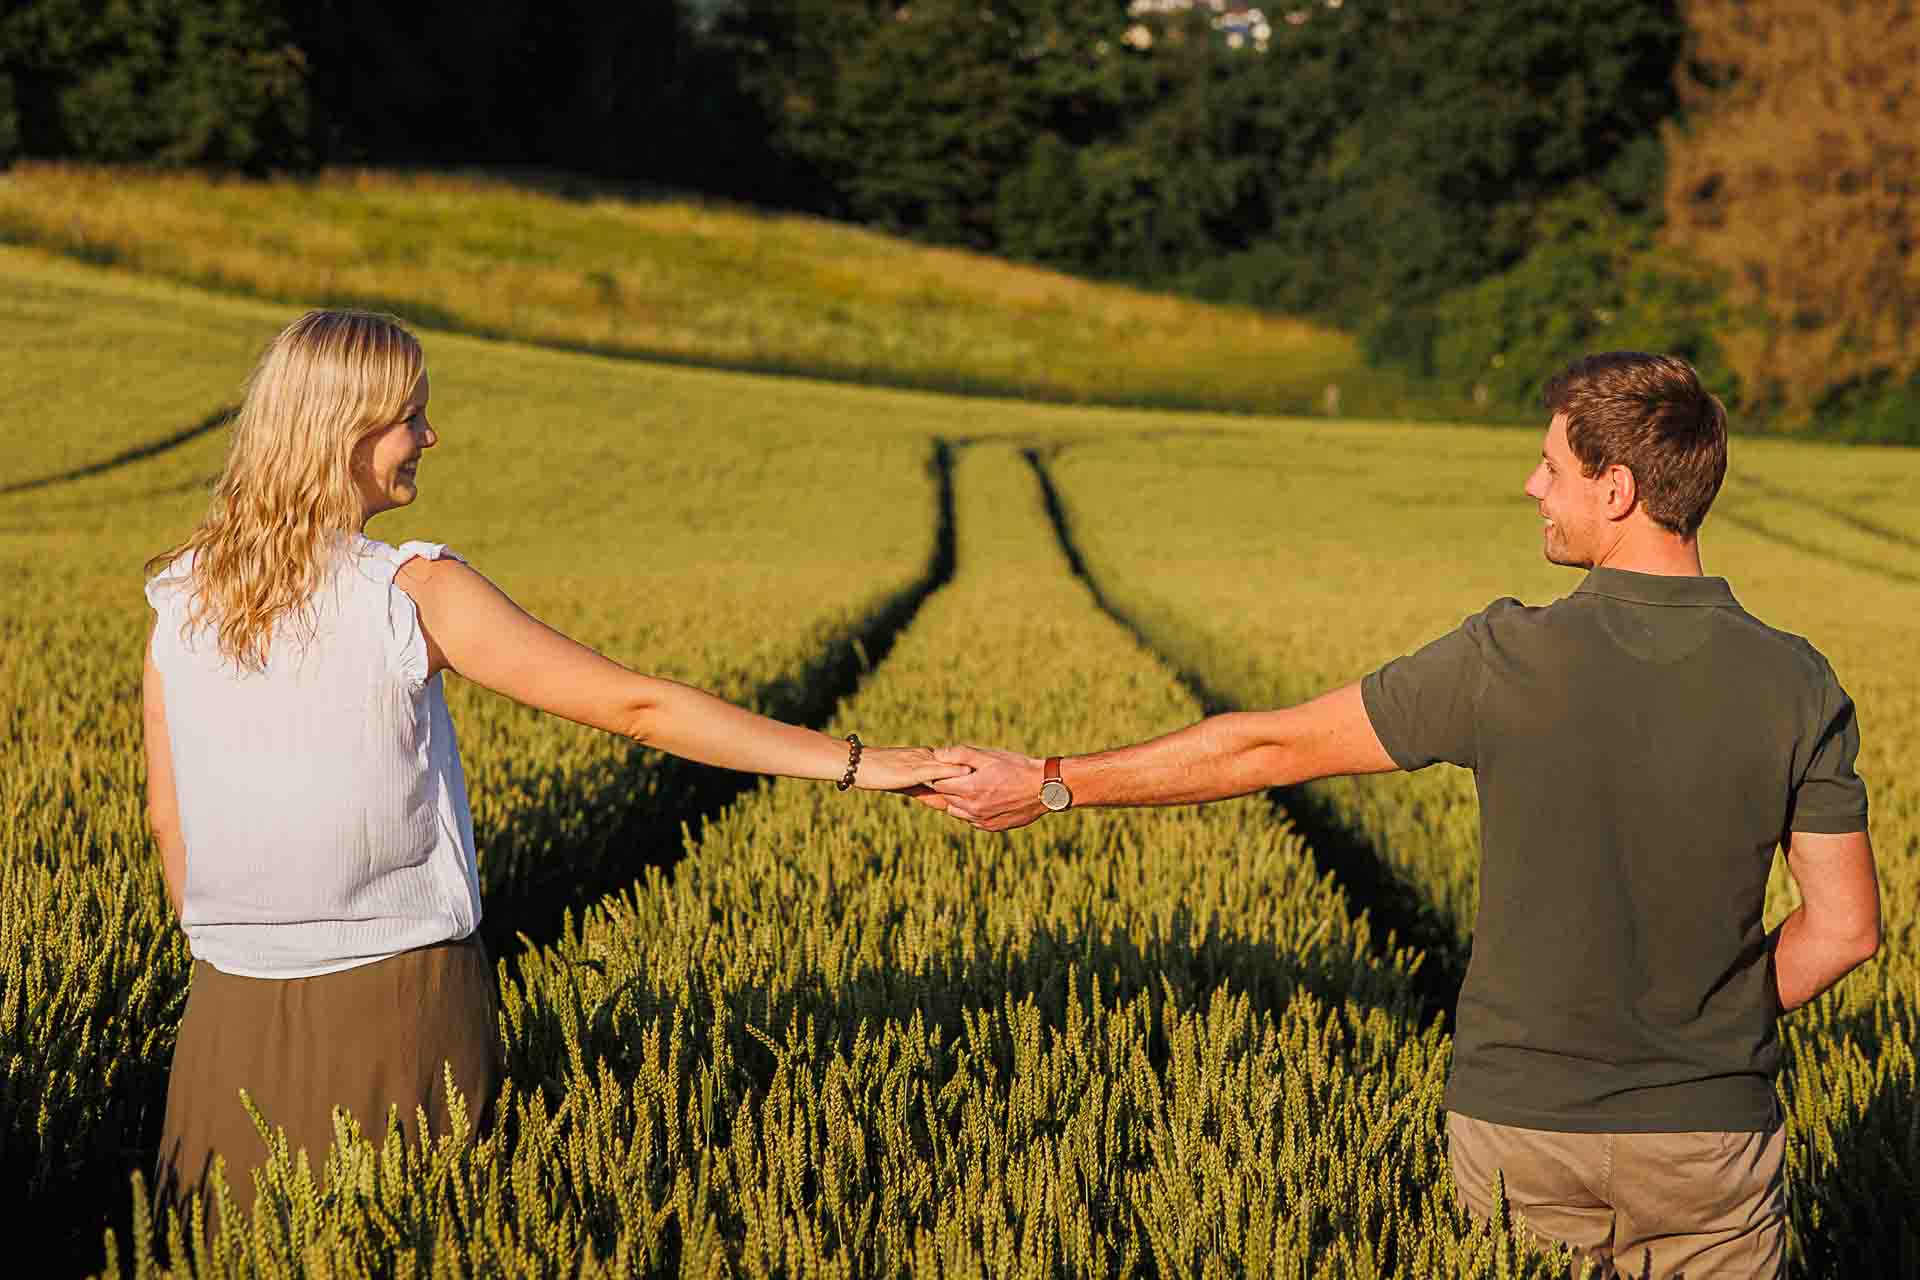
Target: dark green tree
204, 82
1365, 159
1479, 113
910, 117
9, 123
614, 88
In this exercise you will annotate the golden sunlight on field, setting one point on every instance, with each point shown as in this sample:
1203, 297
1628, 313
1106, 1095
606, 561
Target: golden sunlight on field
845, 1031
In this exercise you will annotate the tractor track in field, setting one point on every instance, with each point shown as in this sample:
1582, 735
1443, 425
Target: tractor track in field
1832, 511
1760, 529
1368, 879
126, 457
685, 795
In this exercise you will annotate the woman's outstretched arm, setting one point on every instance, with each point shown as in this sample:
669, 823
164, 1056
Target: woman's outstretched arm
474, 629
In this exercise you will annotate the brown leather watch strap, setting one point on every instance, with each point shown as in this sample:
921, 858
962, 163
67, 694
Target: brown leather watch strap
1051, 771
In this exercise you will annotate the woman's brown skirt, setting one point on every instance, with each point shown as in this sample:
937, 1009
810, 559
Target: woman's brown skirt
367, 1038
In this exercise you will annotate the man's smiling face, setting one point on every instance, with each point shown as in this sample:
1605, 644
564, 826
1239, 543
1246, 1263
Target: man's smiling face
1572, 505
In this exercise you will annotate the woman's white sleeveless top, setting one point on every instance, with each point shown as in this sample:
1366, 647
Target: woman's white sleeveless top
322, 801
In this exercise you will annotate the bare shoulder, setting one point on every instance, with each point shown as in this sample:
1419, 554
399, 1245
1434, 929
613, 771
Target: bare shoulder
450, 592
422, 573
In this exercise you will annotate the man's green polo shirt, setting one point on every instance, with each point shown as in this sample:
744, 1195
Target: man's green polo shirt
1640, 748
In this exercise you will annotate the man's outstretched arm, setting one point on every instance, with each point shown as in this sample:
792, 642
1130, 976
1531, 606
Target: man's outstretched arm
1222, 756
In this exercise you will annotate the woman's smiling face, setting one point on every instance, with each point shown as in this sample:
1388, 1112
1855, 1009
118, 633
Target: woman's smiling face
386, 463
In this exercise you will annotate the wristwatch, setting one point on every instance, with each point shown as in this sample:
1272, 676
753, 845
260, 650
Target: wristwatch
1053, 792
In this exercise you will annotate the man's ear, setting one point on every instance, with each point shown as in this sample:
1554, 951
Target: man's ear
1623, 492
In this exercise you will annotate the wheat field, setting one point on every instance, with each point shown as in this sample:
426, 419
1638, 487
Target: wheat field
768, 1029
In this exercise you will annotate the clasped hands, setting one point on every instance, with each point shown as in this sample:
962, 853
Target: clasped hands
990, 790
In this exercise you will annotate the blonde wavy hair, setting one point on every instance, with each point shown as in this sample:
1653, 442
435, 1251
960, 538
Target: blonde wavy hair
287, 497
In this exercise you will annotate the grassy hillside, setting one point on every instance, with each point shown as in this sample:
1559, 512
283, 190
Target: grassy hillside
682, 281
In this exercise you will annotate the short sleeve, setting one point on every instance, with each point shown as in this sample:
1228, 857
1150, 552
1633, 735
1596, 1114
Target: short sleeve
1830, 798
406, 642
1424, 707
169, 592
166, 587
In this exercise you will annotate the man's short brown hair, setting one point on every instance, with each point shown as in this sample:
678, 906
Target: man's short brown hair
1649, 414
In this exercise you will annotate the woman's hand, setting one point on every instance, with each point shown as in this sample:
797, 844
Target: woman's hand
903, 769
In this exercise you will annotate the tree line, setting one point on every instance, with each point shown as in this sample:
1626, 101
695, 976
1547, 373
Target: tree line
1477, 189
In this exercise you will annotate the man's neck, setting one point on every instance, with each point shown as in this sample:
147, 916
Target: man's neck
1650, 549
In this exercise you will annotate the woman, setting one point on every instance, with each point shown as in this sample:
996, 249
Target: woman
303, 782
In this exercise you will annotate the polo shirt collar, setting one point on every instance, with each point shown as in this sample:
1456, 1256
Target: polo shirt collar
1657, 588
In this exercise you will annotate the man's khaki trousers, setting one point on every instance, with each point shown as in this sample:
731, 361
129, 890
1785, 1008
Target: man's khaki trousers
1703, 1206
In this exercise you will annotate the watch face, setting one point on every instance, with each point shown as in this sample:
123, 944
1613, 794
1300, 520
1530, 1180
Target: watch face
1054, 794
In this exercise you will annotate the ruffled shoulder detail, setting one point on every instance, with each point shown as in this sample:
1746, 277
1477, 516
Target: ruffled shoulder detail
380, 561
172, 583
406, 642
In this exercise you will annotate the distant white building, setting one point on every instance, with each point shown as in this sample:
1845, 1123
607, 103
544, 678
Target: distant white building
1240, 24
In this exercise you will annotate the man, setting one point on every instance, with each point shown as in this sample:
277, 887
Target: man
1640, 747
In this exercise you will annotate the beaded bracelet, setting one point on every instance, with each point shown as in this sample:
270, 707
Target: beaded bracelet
853, 762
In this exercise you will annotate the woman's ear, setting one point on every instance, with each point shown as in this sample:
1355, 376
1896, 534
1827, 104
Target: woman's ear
360, 455
360, 467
